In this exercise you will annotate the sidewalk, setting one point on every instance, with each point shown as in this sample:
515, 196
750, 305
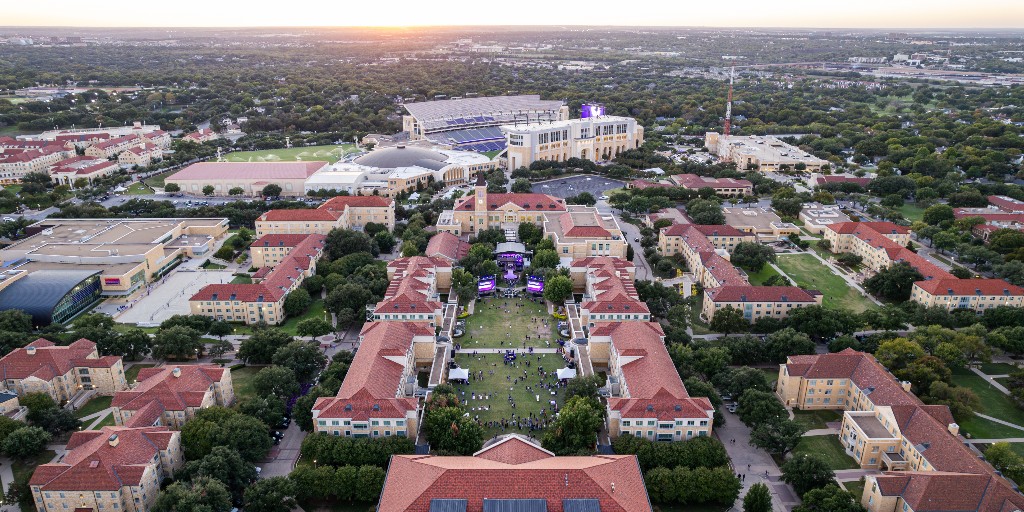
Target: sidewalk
991, 380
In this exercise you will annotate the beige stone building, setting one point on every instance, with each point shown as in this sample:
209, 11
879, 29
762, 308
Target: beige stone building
142, 154
414, 292
599, 138
818, 217
483, 210
68, 171
251, 177
975, 294
759, 301
113, 147
169, 396
674, 239
61, 371
342, 212
763, 222
113, 469
582, 232
727, 187
16, 163
762, 153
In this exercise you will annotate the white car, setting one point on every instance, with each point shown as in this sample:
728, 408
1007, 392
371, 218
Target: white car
603, 198
8, 219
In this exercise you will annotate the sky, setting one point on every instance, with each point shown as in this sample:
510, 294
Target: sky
402, 13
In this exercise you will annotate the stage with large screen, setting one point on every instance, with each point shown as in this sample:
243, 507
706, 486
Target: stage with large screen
486, 284
535, 284
588, 110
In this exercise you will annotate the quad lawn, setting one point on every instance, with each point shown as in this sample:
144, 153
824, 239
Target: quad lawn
316, 310
816, 419
241, 378
912, 212
503, 383
95, 405
133, 373
828, 448
811, 274
241, 280
107, 421
758, 278
491, 327
993, 403
696, 324
330, 154
997, 368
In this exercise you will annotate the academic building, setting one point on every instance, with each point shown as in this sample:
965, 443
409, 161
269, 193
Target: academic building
63, 372
169, 396
342, 212
924, 462
762, 153
600, 138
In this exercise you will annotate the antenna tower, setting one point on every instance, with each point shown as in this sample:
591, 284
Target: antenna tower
728, 104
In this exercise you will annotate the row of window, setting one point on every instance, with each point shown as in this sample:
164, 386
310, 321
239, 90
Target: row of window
336, 423
651, 423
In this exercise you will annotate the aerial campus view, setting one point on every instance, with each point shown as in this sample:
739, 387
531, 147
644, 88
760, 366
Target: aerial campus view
761, 257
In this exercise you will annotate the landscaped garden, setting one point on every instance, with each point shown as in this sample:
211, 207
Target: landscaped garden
241, 379
95, 405
316, 310
810, 273
815, 419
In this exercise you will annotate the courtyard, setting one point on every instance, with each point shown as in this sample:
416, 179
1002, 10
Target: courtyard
808, 272
506, 323
167, 297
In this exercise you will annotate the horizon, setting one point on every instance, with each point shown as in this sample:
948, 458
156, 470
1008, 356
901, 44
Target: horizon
781, 14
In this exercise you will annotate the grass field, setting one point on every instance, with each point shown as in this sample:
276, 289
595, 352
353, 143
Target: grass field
810, 273
912, 212
157, 180
95, 405
316, 310
241, 280
758, 278
811, 420
993, 403
828, 449
502, 384
326, 153
857, 488
241, 378
696, 324
133, 373
492, 154
490, 327
107, 421
139, 189
998, 368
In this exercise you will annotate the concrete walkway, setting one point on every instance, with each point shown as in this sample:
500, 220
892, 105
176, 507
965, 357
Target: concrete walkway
517, 350
822, 432
754, 464
95, 418
991, 380
999, 421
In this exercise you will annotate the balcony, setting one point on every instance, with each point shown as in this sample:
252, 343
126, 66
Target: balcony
894, 461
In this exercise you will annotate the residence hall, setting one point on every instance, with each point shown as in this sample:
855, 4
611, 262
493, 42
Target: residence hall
169, 396
251, 177
722, 186
284, 262
63, 372
924, 462
341, 212
882, 244
512, 472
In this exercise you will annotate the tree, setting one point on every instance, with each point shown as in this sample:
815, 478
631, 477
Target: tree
57, 421
219, 426
25, 443
385, 241
897, 353
825, 244
806, 472
728, 320
758, 499
261, 346
8, 425
1003, 458
752, 255
271, 190
574, 431
760, 407
778, 438
937, 214
269, 409
208, 190
447, 426
546, 258
276, 494
830, 499
369, 483
557, 289
37, 404
198, 495
236, 191
172, 187
893, 282
735, 381
276, 380
219, 329
530, 233
787, 207
297, 302
341, 242
302, 357
224, 465
464, 285
178, 342
521, 186
313, 327
787, 342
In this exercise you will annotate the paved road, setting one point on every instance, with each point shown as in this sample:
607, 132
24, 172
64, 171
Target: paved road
754, 463
282, 457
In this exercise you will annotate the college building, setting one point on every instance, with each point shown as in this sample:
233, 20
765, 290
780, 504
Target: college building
112, 469
251, 177
512, 472
762, 153
63, 372
169, 396
287, 260
483, 210
583, 232
599, 138
926, 465
341, 212
727, 187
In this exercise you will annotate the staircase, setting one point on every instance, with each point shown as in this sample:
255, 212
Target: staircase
511, 232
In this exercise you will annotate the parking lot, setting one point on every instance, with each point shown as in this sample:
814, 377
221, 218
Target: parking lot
570, 186
170, 297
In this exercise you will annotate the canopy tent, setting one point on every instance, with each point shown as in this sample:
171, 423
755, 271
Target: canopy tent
566, 373
458, 374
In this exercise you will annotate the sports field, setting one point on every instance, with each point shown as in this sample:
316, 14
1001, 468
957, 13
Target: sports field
505, 323
811, 274
308, 153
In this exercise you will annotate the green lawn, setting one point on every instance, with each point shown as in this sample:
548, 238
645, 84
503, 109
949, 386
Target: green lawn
133, 373
241, 280
492, 154
810, 273
209, 265
157, 180
828, 449
857, 488
14, 189
993, 403
912, 212
490, 327
696, 324
315, 311
758, 278
502, 384
816, 419
140, 189
107, 421
94, 406
241, 378
998, 368
330, 154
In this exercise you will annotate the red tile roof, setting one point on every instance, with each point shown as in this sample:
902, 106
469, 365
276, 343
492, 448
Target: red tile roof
50, 361
299, 215
932, 491
530, 202
92, 464
612, 292
694, 182
760, 294
843, 179
571, 229
277, 283
875, 234
188, 390
970, 287
1007, 204
514, 470
448, 246
339, 203
411, 288
248, 171
642, 184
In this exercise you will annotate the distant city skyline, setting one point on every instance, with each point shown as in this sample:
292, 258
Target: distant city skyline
881, 14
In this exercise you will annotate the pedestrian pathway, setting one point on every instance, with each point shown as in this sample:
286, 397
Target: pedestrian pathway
991, 379
96, 418
503, 350
999, 421
822, 432
753, 465
990, 441
846, 277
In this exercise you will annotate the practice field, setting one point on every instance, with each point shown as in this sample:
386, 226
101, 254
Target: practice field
308, 153
491, 327
809, 273
510, 380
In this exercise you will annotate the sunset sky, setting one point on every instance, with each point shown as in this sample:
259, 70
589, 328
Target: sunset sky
736, 13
